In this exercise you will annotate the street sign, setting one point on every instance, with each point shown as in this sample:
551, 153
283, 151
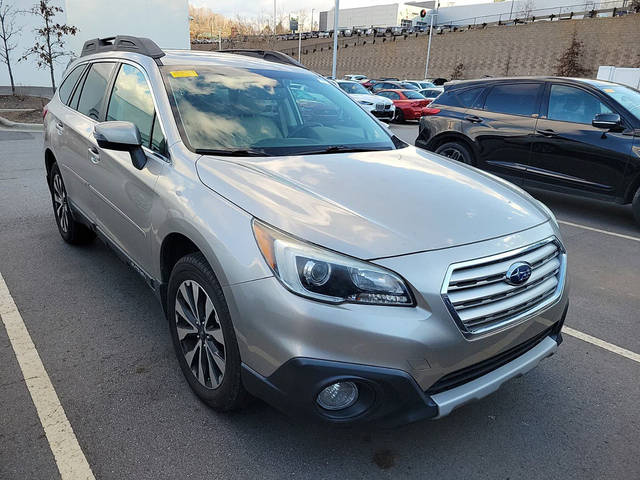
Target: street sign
293, 24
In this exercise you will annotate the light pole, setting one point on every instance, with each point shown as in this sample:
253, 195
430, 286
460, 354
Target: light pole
426, 68
311, 30
275, 22
299, 37
335, 39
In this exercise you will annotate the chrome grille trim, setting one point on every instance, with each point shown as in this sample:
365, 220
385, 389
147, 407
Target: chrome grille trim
481, 301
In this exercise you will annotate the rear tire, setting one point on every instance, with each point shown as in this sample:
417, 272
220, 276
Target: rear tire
635, 206
75, 233
456, 151
399, 118
203, 336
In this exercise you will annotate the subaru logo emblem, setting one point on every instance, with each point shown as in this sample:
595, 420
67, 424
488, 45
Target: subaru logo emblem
518, 273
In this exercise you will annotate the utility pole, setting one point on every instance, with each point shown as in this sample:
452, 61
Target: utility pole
299, 38
426, 68
311, 30
219, 40
335, 39
275, 22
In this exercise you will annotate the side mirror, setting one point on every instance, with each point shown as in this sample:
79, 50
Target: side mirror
123, 137
607, 121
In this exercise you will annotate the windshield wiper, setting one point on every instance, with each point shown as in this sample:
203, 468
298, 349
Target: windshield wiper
339, 149
241, 152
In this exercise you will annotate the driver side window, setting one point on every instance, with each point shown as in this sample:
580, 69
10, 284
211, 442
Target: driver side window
570, 104
131, 101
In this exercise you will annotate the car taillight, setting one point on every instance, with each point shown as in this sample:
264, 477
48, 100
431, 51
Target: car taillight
431, 111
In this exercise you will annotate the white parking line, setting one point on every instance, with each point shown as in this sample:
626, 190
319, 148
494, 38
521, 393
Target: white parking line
602, 344
613, 234
69, 457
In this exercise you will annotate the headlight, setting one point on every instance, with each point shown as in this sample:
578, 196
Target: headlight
364, 102
322, 274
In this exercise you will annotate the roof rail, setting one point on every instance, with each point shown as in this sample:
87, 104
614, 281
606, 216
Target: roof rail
123, 43
269, 55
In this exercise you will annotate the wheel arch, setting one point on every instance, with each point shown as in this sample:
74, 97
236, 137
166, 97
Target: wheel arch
49, 160
634, 186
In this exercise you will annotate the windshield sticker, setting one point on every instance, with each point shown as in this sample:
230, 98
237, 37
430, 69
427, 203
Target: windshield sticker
184, 73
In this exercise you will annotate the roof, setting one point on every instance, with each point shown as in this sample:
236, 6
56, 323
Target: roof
461, 83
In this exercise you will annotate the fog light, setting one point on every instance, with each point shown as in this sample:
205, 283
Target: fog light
338, 396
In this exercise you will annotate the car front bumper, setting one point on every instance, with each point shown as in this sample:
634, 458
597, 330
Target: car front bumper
388, 397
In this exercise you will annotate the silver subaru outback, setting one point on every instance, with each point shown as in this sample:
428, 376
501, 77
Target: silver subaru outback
302, 253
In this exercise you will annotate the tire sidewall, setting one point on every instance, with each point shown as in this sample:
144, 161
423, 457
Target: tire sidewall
193, 268
68, 235
466, 154
399, 116
635, 206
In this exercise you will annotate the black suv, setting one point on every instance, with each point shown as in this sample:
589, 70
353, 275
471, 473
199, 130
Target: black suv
570, 135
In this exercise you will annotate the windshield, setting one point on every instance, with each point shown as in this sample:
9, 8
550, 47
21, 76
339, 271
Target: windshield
413, 95
409, 86
625, 96
353, 88
222, 109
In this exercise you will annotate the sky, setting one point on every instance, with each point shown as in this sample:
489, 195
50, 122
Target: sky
252, 8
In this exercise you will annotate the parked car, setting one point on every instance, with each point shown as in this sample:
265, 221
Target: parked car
322, 265
569, 135
369, 31
356, 77
431, 93
380, 31
381, 107
421, 84
324, 34
396, 31
410, 105
391, 85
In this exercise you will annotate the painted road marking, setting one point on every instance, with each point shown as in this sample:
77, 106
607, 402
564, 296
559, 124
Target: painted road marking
602, 344
613, 234
72, 464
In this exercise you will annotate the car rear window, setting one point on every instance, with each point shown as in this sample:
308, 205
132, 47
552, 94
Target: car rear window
95, 89
413, 95
64, 92
513, 99
464, 98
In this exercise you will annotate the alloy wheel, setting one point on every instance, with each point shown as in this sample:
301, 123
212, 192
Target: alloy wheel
454, 154
60, 204
200, 334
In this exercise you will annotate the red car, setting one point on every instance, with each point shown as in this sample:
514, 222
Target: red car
410, 105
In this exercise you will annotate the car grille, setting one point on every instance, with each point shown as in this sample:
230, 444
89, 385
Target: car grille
379, 106
480, 299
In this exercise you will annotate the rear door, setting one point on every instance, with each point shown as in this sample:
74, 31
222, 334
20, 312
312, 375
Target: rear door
78, 151
502, 124
125, 195
569, 153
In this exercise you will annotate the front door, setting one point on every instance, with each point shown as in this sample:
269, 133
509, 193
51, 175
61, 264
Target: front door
569, 153
125, 194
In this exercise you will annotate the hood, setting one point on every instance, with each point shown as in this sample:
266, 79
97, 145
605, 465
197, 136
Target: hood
369, 98
373, 204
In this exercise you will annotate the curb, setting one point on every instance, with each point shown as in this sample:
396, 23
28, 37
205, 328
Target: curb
36, 127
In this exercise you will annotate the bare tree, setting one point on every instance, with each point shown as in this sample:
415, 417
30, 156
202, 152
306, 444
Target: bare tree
8, 30
50, 41
635, 5
526, 8
570, 62
458, 71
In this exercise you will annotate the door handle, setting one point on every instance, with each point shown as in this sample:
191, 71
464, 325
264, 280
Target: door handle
94, 155
547, 133
473, 119
59, 128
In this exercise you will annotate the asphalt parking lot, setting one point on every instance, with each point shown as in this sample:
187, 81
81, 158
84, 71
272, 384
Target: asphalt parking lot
102, 339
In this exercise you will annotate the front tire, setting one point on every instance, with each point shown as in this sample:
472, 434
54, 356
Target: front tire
203, 336
456, 151
72, 232
399, 118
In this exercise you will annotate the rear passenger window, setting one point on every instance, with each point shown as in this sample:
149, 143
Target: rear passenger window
64, 92
94, 90
513, 99
131, 101
449, 99
469, 96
